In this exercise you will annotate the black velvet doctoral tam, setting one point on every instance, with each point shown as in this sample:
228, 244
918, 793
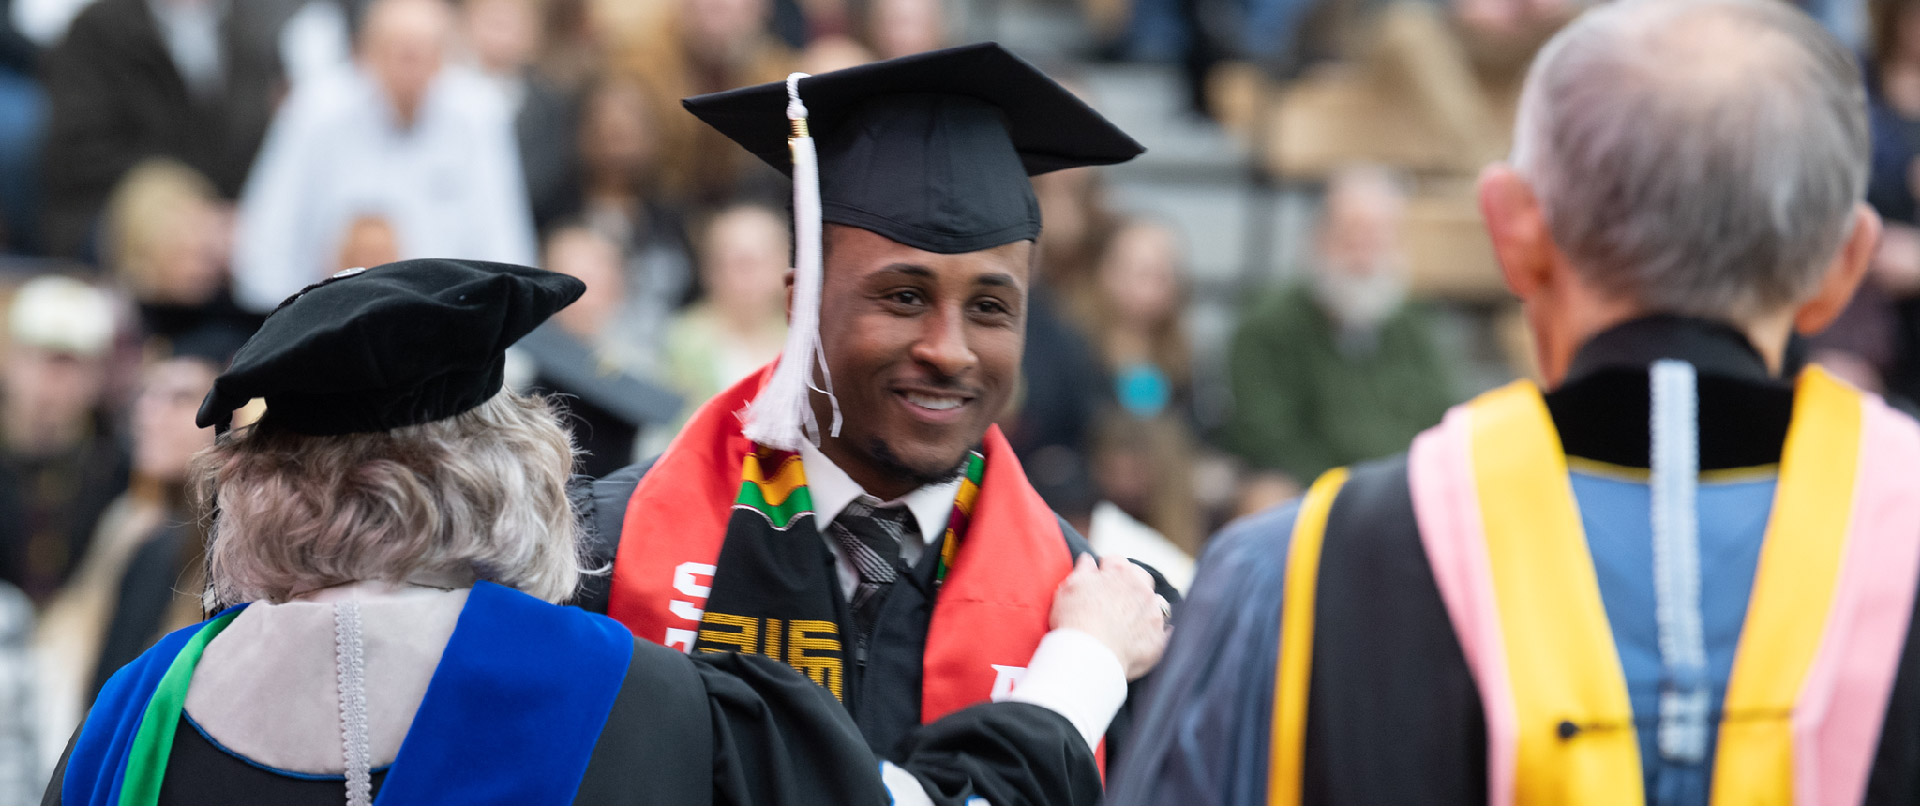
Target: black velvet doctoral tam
401, 344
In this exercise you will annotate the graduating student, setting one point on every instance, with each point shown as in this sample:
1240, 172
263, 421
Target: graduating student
1677, 576
852, 509
391, 537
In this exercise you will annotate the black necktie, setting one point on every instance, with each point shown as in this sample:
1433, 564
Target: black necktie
870, 536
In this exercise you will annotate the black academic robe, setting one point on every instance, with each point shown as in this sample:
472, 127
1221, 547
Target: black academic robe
1394, 715
884, 696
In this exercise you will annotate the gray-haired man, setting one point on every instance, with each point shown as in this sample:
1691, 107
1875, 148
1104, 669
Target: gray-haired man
1680, 575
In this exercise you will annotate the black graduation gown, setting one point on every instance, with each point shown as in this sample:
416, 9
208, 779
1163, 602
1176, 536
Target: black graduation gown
884, 696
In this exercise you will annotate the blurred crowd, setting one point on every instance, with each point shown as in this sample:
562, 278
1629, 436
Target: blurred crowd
172, 169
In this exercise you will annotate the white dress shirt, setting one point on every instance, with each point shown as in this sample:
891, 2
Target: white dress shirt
1071, 672
449, 185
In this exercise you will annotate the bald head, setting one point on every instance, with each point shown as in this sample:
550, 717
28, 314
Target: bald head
1703, 157
403, 43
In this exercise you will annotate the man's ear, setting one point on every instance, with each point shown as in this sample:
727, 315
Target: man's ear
789, 283
1518, 229
1843, 276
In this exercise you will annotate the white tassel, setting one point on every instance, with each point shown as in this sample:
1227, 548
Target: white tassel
782, 416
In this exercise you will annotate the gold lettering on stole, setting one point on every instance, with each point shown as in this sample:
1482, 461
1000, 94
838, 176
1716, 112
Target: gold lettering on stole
805, 638
746, 639
770, 640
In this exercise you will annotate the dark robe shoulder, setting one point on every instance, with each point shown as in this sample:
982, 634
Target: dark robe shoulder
1393, 713
1202, 728
1895, 778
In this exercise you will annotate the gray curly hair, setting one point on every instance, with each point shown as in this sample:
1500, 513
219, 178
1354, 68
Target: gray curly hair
478, 496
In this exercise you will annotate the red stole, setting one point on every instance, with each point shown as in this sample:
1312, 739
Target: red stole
992, 610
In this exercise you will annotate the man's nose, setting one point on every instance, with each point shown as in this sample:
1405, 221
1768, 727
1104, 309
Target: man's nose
943, 343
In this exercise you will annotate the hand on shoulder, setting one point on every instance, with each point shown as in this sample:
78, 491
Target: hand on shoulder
1113, 601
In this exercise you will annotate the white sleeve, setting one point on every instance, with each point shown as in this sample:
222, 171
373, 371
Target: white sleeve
1075, 675
902, 787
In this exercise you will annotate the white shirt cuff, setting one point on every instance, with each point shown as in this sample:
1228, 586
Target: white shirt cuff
1075, 675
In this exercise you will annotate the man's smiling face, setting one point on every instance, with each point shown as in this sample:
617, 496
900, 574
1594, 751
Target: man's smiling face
924, 349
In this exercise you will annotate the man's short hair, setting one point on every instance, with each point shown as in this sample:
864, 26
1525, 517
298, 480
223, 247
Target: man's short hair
1702, 156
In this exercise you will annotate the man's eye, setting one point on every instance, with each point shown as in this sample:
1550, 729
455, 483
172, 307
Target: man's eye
910, 298
990, 307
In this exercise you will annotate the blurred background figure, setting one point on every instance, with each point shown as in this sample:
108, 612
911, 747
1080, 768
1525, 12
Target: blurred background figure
1064, 385
704, 46
901, 27
1339, 367
22, 113
616, 191
1136, 315
1877, 341
60, 465
21, 775
610, 383
428, 145
193, 80
369, 241
740, 323
1143, 480
168, 239
504, 38
1077, 223
141, 577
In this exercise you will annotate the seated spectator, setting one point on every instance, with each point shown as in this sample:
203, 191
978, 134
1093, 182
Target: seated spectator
166, 243
1079, 223
574, 49
833, 52
140, 577
132, 79
504, 37
616, 192
607, 383
431, 148
705, 46
1063, 386
1339, 366
1136, 318
1893, 189
741, 323
901, 27
1143, 470
59, 466
1458, 66
369, 241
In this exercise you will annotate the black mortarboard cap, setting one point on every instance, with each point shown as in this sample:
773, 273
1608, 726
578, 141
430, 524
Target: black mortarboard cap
401, 344
931, 150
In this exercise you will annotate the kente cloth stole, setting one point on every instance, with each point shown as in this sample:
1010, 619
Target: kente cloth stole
719, 552
768, 596
533, 680
1818, 652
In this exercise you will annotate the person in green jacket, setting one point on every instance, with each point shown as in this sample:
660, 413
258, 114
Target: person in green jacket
1339, 366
